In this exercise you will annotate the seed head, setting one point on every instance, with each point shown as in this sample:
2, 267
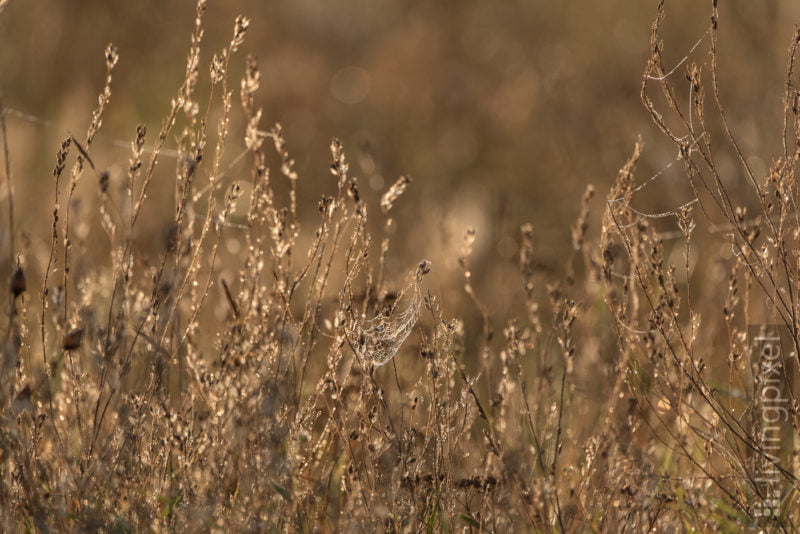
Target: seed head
17, 284
73, 339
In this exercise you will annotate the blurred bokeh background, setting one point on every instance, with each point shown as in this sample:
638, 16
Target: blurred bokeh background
501, 112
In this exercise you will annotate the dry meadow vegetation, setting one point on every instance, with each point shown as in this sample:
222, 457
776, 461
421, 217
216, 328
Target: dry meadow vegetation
295, 383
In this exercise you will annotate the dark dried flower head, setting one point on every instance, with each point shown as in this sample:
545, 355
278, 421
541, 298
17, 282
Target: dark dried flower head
425, 266
111, 56
73, 339
61, 157
17, 284
103, 181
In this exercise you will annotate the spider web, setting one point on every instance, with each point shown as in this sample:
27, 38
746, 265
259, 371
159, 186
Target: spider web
376, 340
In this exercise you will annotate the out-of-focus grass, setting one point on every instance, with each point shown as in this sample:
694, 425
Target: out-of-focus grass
503, 112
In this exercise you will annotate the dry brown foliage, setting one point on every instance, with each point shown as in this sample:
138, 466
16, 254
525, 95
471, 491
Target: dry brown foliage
294, 385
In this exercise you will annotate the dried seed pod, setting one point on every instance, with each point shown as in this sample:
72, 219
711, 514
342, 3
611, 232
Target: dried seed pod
73, 339
103, 180
17, 284
424, 267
